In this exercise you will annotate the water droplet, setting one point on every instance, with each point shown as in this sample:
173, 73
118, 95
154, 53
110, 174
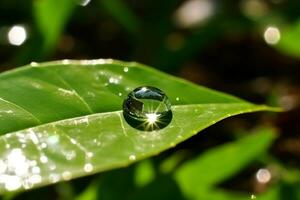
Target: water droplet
35, 179
177, 98
88, 167
34, 64
35, 170
70, 155
66, 62
125, 69
132, 157
53, 178
147, 108
66, 175
43, 145
12, 182
89, 154
43, 159
2, 167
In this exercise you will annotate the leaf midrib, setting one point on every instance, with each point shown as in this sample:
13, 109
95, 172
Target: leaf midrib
257, 108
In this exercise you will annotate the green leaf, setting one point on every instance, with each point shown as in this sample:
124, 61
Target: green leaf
289, 42
122, 14
51, 17
63, 119
198, 177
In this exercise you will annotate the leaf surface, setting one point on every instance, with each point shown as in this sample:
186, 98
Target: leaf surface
61, 120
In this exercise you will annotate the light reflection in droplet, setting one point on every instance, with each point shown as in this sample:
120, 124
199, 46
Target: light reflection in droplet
272, 35
17, 35
263, 175
152, 117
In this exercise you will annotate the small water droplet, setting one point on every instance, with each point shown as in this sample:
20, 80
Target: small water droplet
114, 80
53, 178
132, 157
36, 178
147, 108
66, 61
35, 170
43, 159
34, 64
88, 167
125, 69
66, 175
12, 182
44, 145
70, 155
177, 98
89, 154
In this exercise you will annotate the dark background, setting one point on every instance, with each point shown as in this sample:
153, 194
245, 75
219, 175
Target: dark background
249, 48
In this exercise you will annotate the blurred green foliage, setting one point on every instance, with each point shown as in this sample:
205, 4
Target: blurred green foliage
230, 49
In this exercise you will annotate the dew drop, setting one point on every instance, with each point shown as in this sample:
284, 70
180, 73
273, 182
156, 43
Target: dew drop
33, 64
147, 108
35, 179
88, 167
35, 170
44, 145
66, 175
125, 69
132, 157
53, 178
43, 159
12, 182
89, 154
3, 167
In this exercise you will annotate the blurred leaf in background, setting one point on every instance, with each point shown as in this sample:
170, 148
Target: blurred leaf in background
51, 17
249, 48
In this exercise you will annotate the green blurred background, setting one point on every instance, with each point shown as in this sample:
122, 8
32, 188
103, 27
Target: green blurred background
249, 48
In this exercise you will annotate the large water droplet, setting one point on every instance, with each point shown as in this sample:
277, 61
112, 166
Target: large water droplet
147, 108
